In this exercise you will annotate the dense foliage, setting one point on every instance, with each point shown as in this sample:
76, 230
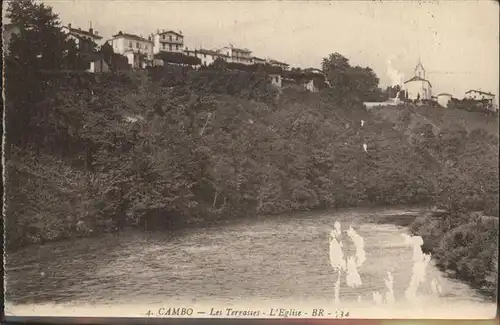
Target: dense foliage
473, 105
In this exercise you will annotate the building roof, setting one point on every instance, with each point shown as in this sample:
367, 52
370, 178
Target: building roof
417, 78
83, 32
479, 91
132, 37
278, 62
170, 32
444, 94
419, 65
257, 58
209, 52
237, 49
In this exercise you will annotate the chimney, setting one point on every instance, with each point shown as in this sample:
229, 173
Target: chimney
180, 32
97, 34
91, 30
69, 25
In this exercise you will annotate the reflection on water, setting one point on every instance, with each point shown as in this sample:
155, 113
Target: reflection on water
285, 260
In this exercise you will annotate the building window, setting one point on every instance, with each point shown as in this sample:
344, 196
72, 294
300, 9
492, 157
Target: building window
176, 38
170, 47
177, 47
130, 44
138, 45
164, 46
163, 36
170, 38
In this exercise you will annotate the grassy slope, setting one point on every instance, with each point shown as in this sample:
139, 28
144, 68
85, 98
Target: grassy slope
443, 118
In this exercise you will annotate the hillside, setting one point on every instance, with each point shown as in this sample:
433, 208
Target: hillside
442, 118
109, 152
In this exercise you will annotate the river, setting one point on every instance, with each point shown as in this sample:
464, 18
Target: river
281, 262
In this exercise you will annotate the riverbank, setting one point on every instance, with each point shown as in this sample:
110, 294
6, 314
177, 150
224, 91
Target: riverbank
402, 216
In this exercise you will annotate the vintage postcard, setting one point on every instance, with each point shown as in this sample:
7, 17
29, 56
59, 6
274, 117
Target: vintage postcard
251, 159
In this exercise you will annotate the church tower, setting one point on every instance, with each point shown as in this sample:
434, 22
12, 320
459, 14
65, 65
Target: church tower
419, 70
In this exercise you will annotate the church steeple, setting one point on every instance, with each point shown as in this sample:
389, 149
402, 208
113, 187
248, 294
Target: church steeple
419, 70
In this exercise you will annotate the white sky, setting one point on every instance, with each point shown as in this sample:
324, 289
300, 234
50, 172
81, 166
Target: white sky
457, 41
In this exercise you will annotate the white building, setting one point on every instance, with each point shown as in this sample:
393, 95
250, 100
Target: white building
443, 99
479, 95
256, 60
237, 55
276, 80
85, 40
168, 41
310, 85
207, 57
98, 65
418, 87
278, 64
138, 50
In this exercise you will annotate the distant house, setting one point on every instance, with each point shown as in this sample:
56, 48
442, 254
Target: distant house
319, 74
207, 57
256, 60
8, 31
418, 87
168, 41
115, 61
179, 59
443, 99
276, 80
137, 49
314, 70
85, 40
237, 55
479, 95
98, 65
311, 86
278, 64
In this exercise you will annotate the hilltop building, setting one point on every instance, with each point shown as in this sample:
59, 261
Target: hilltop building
443, 99
168, 41
207, 57
479, 95
237, 55
418, 87
137, 49
276, 80
278, 64
85, 40
257, 60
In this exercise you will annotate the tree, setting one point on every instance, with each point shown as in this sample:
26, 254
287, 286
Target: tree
335, 67
350, 82
41, 44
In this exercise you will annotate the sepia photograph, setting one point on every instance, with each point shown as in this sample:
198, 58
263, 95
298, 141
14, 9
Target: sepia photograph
251, 159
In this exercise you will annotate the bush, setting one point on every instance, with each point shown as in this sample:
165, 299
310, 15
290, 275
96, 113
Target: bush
465, 243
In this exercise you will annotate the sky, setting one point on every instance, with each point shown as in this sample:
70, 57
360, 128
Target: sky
456, 41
